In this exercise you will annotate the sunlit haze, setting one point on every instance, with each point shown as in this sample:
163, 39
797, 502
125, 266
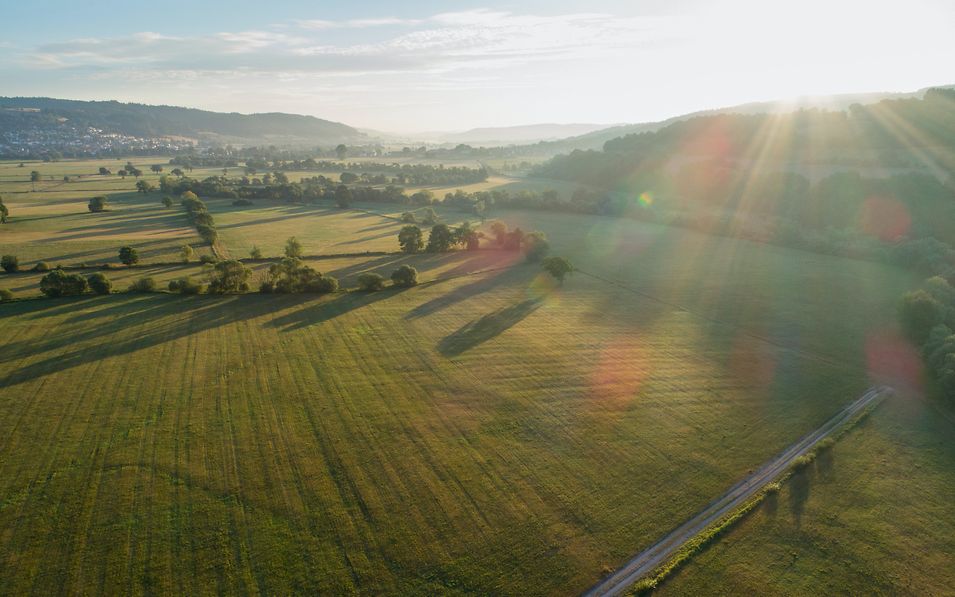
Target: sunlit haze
426, 66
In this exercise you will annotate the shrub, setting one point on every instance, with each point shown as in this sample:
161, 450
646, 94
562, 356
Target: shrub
167, 202
772, 488
99, 283
146, 284
405, 276
207, 259
370, 282
5, 295
128, 255
804, 461
185, 285
41, 266
9, 263
98, 204
59, 283
409, 218
322, 284
255, 252
186, 254
266, 287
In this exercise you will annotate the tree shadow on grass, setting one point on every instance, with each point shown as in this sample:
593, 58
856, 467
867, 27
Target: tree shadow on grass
145, 321
799, 486
325, 309
464, 292
487, 327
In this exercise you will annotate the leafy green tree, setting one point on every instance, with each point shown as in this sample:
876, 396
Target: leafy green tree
98, 204
343, 197
410, 239
229, 276
144, 187
468, 236
59, 283
186, 254
536, 246
34, 178
293, 248
440, 239
558, 267
156, 168
104, 171
409, 218
99, 283
255, 252
919, 312
341, 151
499, 230
404, 276
41, 266
128, 255
4, 212
10, 263
370, 281
291, 275
167, 202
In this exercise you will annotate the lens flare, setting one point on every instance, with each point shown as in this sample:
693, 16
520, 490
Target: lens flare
884, 218
645, 199
621, 371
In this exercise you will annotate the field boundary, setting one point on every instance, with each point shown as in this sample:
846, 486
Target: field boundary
644, 571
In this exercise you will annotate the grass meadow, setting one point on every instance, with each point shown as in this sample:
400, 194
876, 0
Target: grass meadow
484, 432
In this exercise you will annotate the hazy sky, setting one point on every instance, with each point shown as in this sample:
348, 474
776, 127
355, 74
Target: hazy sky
424, 65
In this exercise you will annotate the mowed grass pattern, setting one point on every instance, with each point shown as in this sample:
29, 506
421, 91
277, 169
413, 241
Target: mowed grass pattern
477, 434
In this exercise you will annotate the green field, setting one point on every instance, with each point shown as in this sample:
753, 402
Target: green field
483, 432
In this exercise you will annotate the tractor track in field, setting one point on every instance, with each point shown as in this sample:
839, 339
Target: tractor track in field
660, 552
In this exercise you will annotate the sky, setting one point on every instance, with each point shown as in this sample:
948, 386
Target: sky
422, 65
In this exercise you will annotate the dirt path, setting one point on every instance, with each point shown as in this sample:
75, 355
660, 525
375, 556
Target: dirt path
657, 554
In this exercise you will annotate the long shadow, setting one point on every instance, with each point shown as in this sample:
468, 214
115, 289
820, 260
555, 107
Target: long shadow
179, 317
487, 327
799, 485
461, 293
322, 309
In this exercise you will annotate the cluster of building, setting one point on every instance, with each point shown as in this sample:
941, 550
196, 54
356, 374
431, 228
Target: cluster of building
67, 141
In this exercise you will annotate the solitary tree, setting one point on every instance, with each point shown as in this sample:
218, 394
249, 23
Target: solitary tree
341, 151
186, 254
9, 263
104, 171
128, 255
255, 252
293, 248
557, 267
4, 212
156, 168
405, 276
440, 239
229, 276
410, 239
34, 178
99, 283
98, 204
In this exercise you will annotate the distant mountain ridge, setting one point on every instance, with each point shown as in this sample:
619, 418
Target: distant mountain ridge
143, 120
527, 133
